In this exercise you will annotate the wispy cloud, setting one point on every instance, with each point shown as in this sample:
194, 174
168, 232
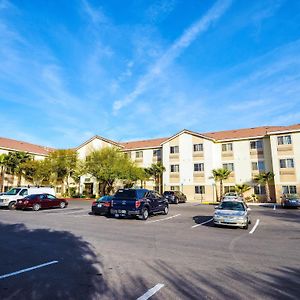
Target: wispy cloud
174, 51
96, 15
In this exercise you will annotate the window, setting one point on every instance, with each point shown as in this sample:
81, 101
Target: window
289, 189
229, 189
258, 165
256, 144
174, 149
259, 190
286, 163
174, 188
284, 140
227, 147
24, 192
228, 166
139, 154
157, 153
174, 168
199, 167
58, 189
198, 147
200, 189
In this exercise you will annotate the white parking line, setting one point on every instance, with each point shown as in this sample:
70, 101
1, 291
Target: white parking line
202, 223
254, 227
151, 292
164, 219
29, 269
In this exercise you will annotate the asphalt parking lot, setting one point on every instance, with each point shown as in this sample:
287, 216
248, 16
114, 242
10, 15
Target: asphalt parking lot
70, 254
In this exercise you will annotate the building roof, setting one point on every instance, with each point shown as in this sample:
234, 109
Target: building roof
10, 144
100, 138
153, 143
244, 133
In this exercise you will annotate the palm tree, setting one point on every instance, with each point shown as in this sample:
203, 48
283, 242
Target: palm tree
242, 188
156, 171
265, 178
220, 175
3, 166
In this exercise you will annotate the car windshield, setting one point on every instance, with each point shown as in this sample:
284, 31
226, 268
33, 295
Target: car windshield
13, 191
104, 198
125, 194
232, 205
168, 193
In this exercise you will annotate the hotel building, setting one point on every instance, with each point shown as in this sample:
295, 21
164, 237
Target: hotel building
189, 158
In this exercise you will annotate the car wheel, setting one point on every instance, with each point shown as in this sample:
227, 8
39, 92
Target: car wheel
62, 205
36, 207
166, 210
176, 201
12, 205
145, 214
246, 226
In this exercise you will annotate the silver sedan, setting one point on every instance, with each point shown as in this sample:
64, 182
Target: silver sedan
232, 213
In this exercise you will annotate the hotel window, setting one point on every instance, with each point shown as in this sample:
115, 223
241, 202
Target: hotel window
174, 149
157, 153
256, 144
198, 147
139, 154
258, 165
229, 189
174, 168
200, 189
227, 147
284, 140
228, 166
199, 167
174, 188
259, 190
286, 163
289, 189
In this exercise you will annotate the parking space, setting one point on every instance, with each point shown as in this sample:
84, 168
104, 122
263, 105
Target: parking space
178, 256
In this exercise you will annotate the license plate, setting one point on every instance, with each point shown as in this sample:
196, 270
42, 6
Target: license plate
99, 205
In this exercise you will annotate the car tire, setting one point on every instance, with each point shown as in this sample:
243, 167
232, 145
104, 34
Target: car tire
176, 201
145, 214
36, 207
12, 205
62, 205
246, 226
166, 210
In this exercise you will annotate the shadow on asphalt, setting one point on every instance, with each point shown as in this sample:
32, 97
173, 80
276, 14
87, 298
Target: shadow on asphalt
279, 283
79, 273
284, 214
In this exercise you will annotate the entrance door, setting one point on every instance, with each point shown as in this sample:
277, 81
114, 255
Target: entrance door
88, 187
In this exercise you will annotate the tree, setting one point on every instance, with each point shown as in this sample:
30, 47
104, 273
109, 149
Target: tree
109, 164
242, 188
265, 178
63, 164
79, 170
14, 163
3, 166
156, 171
37, 171
220, 175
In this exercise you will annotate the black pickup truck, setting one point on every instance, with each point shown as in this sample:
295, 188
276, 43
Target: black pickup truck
139, 203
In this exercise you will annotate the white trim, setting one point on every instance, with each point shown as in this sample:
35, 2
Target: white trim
151, 292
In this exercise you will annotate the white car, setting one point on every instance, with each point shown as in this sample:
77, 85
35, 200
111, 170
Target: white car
232, 213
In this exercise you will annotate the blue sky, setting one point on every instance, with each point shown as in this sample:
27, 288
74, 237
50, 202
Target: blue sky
140, 69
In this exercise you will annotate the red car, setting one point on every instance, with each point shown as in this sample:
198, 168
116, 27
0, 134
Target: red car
38, 201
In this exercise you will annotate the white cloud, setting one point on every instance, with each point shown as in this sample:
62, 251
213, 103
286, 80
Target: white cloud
173, 52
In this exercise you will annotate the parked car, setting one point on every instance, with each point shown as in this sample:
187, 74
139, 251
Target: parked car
175, 196
38, 201
232, 196
232, 213
290, 200
139, 203
10, 198
102, 206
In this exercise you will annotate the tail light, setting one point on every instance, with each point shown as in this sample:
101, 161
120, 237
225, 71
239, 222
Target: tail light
107, 204
94, 203
137, 204
26, 202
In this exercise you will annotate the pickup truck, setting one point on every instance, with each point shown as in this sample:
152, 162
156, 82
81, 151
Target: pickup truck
139, 203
